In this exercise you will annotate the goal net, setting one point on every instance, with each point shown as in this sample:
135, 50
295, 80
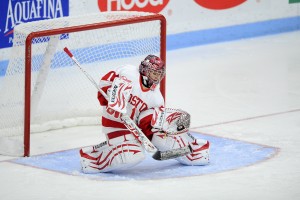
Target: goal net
43, 90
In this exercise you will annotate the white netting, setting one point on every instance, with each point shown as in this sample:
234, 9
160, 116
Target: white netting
60, 94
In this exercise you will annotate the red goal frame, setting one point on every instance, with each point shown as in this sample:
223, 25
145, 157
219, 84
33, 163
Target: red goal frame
28, 49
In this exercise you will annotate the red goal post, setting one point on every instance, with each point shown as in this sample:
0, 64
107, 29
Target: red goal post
44, 76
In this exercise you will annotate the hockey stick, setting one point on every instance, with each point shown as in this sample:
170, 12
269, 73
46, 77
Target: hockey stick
134, 129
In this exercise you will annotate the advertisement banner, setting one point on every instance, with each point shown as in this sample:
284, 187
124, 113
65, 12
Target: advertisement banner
219, 4
155, 6
14, 12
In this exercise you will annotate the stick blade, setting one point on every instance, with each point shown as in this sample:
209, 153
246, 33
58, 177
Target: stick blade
171, 154
157, 155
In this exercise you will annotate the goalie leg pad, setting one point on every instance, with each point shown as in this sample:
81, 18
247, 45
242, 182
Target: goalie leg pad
108, 156
200, 155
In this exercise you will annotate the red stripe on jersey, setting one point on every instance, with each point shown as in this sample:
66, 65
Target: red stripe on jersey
110, 76
145, 125
116, 134
111, 123
101, 98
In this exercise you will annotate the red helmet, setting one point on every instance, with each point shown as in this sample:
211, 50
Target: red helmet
152, 64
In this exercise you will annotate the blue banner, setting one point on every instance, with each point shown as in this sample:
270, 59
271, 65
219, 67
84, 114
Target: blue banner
14, 12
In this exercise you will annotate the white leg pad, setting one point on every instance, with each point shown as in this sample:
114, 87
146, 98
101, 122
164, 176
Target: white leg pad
112, 157
200, 155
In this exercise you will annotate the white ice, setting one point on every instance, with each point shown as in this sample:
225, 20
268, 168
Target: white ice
247, 90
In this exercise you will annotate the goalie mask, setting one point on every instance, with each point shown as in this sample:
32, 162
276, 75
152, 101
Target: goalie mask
152, 68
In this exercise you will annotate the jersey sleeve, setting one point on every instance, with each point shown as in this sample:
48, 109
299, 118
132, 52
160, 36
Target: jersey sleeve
144, 123
109, 77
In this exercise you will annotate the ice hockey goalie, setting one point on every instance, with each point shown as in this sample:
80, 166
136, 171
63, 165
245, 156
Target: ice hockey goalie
135, 92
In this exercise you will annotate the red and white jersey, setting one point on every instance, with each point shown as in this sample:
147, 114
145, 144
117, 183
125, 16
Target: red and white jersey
140, 104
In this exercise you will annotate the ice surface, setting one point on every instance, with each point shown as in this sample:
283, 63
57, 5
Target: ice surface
226, 154
245, 90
